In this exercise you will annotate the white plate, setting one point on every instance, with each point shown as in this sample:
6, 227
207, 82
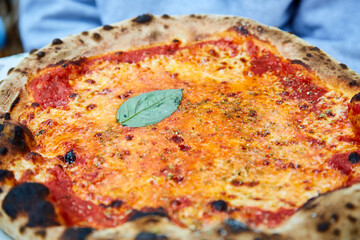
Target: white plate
8, 62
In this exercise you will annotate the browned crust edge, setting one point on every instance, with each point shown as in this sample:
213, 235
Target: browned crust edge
330, 216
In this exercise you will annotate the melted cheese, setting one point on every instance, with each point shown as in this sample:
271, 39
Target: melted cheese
237, 136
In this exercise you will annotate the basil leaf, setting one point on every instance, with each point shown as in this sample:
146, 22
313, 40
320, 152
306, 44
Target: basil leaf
148, 108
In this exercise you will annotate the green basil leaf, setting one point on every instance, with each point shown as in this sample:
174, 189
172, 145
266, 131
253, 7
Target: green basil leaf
148, 108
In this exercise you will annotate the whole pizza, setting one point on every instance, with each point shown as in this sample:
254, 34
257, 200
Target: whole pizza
180, 127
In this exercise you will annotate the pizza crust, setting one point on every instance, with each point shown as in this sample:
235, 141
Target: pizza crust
157, 30
330, 216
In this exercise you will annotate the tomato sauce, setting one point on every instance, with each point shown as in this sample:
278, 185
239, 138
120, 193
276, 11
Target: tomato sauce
52, 89
355, 108
302, 89
267, 62
72, 209
349, 139
299, 86
257, 216
340, 163
137, 55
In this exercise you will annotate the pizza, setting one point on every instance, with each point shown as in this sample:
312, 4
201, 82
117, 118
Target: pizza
180, 127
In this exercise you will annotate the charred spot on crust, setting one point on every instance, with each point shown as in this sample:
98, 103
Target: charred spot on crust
108, 27
16, 101
196, 16
18, 138
150, 236
76, 233
22, 198
241, 30
235, 226
309, 55
76, 62
96, 36
310, 204
5, 174
219, 205
10, 70
353, 83
315, 49
286, 41
354, 157
30, 198
336, 232
160, 212
343, 66
40, 54
7, 116
323, 226
41, 233
165, 16
57, 41
296, 61
46, 216
70, 157
33, 50
355, 98
349, 205
143, 18
351, 219
85, 33
335, 217
59, 63
3, 151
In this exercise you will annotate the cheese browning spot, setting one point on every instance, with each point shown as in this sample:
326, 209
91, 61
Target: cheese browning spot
70, 157
354, 157
219, 205
143, 18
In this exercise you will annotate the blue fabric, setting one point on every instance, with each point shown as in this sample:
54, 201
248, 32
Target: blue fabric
2, 34
332, 25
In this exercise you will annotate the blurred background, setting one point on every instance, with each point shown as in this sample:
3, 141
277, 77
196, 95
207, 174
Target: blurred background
10, 43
